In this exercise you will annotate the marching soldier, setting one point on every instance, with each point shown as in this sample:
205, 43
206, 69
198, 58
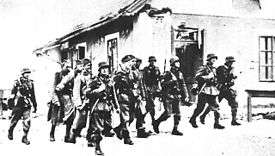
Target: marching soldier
151, 75
99, 92
139, 93
64, 90
24, 98
225, 78
124, 89
173, 88
208, 91
81, 77
57, 104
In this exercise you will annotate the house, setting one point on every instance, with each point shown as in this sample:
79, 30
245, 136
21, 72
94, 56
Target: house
189, 29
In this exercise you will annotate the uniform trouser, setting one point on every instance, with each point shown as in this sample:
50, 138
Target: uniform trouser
150, 106
230, 96
213, 105
126, 115
79, 121
107, 121
25, 114
97, 124
171, 106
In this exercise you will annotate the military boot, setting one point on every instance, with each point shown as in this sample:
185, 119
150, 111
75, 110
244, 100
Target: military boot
218, 126
10, 135
117, 130
176, 132
98, 150
202, 119
235, 123
141, 133
25, 140
156, 126
193, 123
52, 139
126, 137
72, 138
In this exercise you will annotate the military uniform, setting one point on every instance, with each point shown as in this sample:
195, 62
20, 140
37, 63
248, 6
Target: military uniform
173, 88
151, 79
139, 94
209, 92
64, 91
100, 94
225, 78
124, 89
24, 98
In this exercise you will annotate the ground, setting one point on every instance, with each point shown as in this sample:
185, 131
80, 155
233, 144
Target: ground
250, 139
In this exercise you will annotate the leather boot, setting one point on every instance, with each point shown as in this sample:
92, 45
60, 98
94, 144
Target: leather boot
98, 150
218, 126
235, 123
126, 136
142, 134
193, 123
202, 119
10, 135
176, 132
118, 133
52, 139
156, 126
25, 140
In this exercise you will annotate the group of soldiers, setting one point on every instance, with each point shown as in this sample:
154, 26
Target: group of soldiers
81, 100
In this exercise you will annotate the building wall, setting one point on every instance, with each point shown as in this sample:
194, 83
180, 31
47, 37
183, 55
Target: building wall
238, 37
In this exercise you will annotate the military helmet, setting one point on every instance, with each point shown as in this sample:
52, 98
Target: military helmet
210, 56
230, 59
102, 65
173, 60
152, 58
86, 61
127, 58
25, 70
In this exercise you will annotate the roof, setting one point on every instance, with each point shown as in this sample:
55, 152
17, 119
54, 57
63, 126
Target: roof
127, 8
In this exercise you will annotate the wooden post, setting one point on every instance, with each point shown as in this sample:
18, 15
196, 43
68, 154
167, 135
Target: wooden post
249, 108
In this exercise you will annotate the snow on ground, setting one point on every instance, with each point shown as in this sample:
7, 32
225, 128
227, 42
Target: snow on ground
250, 139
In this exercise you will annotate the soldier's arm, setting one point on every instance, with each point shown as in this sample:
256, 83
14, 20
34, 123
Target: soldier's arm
65, 80
33, 98
203, 75
221, 75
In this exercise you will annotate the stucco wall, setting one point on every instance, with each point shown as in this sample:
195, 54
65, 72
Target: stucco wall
238, 37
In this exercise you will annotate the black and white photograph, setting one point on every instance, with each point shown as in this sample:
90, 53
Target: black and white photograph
137, 77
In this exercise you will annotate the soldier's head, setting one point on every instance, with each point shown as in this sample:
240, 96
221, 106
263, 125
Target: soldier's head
128, 61
25, 72
103, 68
152, 60
174, 62
229, 60
211, 59
86, 66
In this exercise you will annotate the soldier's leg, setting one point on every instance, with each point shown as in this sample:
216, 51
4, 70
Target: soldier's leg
68, 124
14, 120
107, 124
177, 117
206, 111
141, 133
212, 101
150, 106
165, 115
231, 99
26, 126
200, 107
78, 124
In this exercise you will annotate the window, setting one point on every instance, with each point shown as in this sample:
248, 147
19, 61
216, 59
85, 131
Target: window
81, 52
267, 58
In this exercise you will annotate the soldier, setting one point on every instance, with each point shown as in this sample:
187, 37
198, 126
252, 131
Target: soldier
99, 92
139, 93
226, 77
81, 77
64, 90
57, 103
209, 92
151, 76
173, 88
24, 98
124, 86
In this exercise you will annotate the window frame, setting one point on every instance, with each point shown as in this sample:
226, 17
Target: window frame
272, 66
